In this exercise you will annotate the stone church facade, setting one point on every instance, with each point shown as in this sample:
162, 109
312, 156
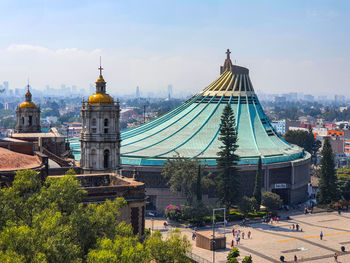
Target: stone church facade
28, 116
100, 136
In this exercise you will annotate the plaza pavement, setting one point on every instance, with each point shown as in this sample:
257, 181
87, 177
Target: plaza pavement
270, 241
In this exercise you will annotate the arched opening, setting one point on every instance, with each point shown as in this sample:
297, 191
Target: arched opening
30, 120
106, 159
22, 120
94, 122
106, 122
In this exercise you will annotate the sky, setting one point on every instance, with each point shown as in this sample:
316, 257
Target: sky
288, 45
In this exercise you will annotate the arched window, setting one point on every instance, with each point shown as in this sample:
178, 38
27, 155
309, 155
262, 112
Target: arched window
106, 122
94, 122
30, 120
22, 120
106, 159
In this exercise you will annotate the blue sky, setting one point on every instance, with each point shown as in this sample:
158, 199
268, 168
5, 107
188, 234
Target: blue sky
288, 45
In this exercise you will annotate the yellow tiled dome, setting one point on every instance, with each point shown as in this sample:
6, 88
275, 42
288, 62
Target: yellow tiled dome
100, 79
99, 98
27, 104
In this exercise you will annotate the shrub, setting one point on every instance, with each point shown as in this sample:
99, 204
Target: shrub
232, 256
271, 201
173, 212
247, 259
248, 204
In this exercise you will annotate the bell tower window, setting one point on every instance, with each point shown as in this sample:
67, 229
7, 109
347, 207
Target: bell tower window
106, 159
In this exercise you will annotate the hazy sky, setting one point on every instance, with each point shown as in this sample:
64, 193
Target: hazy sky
288, 45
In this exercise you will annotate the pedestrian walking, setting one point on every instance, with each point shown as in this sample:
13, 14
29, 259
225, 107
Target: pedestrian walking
233, 232
193, 235
232, 244
293, 226
242, 234
237, 239
335, 257
238, 232
295, 258
321, 235
297, 227
249, 234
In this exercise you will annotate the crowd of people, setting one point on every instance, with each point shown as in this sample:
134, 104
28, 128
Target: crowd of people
237, 234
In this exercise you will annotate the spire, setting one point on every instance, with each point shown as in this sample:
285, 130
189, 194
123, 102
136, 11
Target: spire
100, 69
28, 95
100, 83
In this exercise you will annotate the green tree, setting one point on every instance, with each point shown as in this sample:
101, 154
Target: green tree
124, 247
343, 183
247, 259
228, 190
247, 204
304, 139
184, 175
258, 183
199, 185
271, 201
328, 181
46, 222
172, 249
233, 255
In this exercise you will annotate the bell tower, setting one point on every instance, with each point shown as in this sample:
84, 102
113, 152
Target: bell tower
28, 115
100, 136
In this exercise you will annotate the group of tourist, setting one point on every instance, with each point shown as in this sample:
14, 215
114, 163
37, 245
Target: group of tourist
296, 227
237, 234
270, 219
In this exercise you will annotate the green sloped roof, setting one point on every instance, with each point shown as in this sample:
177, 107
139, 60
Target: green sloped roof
192, 128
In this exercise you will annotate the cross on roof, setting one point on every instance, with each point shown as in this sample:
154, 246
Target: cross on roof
228, 52
100, 68
28, 85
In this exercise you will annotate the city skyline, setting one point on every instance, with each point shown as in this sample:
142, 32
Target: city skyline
291, 46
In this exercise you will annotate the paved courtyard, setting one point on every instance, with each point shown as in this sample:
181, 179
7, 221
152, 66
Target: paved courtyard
270, 241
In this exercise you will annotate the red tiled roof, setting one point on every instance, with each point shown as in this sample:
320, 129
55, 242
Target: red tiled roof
10, 160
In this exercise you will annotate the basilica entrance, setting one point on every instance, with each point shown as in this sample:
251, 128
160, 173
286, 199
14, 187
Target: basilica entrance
284, 193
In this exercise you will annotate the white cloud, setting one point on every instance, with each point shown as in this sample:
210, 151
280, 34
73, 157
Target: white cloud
45, 50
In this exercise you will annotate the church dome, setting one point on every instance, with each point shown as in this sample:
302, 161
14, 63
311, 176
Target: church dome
27, 104
100, 79
100, 98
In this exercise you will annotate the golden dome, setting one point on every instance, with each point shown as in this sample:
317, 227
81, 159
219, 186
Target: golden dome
100, 98
100, 79
27, 104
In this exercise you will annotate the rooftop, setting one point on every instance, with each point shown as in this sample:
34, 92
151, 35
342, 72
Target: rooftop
10, 161
192, 129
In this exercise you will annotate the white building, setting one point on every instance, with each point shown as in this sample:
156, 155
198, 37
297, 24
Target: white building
100, 136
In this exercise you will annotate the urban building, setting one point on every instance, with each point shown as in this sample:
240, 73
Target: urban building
28, 115
192, 130
100, 136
